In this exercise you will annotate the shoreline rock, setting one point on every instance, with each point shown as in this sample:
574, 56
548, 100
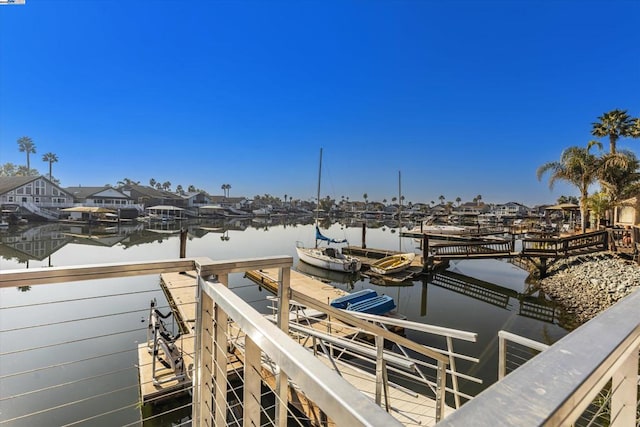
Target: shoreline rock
586, 285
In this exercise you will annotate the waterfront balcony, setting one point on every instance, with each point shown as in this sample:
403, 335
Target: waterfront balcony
70, 357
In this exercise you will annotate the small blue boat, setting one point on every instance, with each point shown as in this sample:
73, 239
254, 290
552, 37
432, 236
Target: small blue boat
345, 300
377, 305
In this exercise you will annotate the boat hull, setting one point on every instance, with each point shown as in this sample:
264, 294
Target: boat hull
392, 264
318, 257
345, 300
379, 305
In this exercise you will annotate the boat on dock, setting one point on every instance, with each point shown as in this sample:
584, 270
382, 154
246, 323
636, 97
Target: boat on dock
345, 300
365, 301
378, 305
393, 263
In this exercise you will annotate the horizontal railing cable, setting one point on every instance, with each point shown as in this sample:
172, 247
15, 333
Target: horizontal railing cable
68, 404
103, 414
41, 347
160, 414
80, 319
64, 364
11, 307
65, 384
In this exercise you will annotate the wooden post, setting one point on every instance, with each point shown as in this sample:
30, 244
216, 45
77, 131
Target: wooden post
183, 243
425, 252
364, 235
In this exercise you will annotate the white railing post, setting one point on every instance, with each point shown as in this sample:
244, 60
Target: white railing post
282, 381
441, 388
502, 357
220, 358
624, 397
202, 376
252, 383
379, 368
454, 376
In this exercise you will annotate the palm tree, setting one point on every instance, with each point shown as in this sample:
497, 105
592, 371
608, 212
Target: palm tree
26, 145
51, 158
179, 189
614, 124
166, 186
619, 177
127, 181
8, 169
478, 198
441, 198
599, 204
458, 200
578, 167
152, 182
192, 188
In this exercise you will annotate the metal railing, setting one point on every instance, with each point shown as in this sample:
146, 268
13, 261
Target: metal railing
294, 367
594, 369
589, 377
68, 355
267, 343
357, 346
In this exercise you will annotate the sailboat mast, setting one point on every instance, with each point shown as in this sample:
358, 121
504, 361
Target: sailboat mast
318, 195
400, 211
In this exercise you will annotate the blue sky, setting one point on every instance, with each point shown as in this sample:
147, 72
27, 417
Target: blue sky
462, 97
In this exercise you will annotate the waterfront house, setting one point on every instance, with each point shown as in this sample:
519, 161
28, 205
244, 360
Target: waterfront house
35, 197
195, 199
229, 202
105, 197
511, 210
148, 196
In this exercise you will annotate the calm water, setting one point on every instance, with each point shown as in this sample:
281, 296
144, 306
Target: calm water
478, 296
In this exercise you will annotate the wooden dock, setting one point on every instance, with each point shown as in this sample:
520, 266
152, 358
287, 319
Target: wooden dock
180, 292
408, 407
369, 255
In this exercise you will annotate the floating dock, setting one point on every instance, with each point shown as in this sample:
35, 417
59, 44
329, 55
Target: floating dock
408, 407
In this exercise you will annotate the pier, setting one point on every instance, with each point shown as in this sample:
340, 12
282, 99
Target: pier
542, 252
311, 327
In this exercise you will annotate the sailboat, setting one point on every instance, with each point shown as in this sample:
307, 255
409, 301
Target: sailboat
326, 257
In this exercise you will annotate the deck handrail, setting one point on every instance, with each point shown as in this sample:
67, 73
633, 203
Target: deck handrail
558, 385
51, 275
340, 400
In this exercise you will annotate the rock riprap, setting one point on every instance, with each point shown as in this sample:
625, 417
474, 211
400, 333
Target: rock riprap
587, 285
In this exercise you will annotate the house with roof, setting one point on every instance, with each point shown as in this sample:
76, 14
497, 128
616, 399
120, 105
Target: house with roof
512, 210
230, 202
195, 199
147, 196
105, 196
33, 196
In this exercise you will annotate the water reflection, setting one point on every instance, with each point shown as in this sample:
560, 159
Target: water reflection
481, 296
